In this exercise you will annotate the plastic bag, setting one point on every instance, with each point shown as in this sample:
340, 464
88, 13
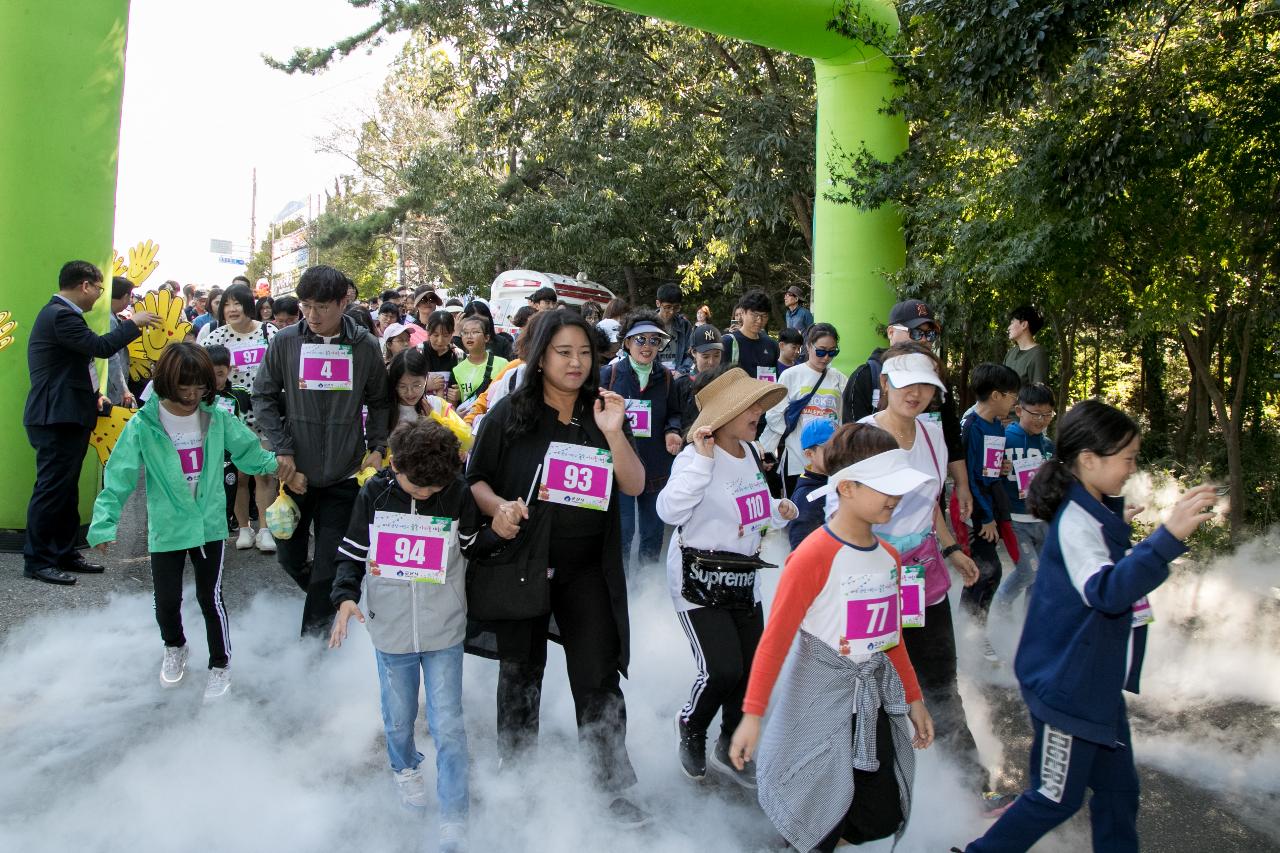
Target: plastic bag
282, 516
449, 419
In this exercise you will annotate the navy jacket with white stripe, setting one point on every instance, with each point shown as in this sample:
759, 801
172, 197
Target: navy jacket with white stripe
1078, 649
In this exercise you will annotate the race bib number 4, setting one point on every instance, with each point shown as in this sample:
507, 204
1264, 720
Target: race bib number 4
640, 414
754, 507
410, 547
872, 613
325, 367
247, 354
577, 476
992, 455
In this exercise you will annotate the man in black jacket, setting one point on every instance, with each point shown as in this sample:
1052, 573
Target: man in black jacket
61, 410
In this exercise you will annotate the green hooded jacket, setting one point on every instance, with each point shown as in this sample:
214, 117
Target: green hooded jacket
176, 521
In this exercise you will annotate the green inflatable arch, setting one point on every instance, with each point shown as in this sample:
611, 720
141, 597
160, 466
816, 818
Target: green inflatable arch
852, 248
61, 88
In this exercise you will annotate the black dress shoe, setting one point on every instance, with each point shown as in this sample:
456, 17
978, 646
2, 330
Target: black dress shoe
84, 567
49, 574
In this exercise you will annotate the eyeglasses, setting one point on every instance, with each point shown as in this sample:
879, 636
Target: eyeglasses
415, 388
647, 340
1040, 416
819, 352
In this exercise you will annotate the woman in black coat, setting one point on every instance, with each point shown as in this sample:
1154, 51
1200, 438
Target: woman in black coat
565, 557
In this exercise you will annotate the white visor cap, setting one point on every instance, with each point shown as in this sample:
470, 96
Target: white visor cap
912, 369
889, 472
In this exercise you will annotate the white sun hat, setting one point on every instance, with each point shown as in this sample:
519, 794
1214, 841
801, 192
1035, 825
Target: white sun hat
889, 472
912, 369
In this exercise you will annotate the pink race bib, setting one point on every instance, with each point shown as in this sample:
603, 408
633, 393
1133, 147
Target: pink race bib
192, 460
248, 357
580, 478
404, 550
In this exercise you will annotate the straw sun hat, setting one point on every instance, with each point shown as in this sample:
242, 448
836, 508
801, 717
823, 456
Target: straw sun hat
730, 394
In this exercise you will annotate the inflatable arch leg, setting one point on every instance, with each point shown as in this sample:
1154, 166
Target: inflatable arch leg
61, 89
852, 248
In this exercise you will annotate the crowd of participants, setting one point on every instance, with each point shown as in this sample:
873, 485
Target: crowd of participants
457, 488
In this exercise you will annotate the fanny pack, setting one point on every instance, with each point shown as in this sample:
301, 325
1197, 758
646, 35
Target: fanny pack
719, 578
936, 579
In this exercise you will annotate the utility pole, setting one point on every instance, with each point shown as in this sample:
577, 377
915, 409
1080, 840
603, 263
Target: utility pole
253, 216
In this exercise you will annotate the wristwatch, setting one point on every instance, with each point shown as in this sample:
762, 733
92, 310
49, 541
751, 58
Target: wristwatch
950, 549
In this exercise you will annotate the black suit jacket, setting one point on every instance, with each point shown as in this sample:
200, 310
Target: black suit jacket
59, 352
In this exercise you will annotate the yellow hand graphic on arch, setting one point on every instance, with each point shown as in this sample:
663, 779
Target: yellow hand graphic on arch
107, 431
144, 351
142, 262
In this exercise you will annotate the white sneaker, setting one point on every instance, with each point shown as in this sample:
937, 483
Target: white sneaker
989, 652
219, 683
413, 788
174, 665
266, 542
453, 838
244, 541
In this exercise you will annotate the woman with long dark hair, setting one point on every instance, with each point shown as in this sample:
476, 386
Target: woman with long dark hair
547, 466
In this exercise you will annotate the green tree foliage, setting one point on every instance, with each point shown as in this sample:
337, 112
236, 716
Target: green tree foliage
568, 136
1117, 164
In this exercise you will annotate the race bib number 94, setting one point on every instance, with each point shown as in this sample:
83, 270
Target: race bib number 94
410, 547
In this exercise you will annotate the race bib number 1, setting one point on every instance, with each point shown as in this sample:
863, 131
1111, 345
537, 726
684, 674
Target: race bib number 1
872, 608
576, 475
325, 367
640, 414
410, 547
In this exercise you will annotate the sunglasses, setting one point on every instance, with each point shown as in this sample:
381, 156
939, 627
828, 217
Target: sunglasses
650, 340
930, 335
819, 352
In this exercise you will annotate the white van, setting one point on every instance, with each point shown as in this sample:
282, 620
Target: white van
511, 290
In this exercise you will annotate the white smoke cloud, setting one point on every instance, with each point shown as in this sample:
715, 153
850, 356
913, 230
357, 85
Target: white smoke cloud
97, 756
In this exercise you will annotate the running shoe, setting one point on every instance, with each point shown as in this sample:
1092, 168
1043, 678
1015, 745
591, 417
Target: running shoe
692, 749
995, 804
453, 838
413, 788
266, 543
989, 652
244, 540
174, 665
219, 683
627, 814
719, 760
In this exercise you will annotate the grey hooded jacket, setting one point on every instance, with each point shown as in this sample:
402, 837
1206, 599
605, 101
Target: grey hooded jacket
324, 431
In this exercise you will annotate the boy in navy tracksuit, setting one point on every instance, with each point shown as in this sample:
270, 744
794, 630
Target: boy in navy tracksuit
996, 389
1026, 448
1086, 633
812, 513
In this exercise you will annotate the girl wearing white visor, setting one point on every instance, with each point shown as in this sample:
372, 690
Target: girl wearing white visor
908, 382
836, 761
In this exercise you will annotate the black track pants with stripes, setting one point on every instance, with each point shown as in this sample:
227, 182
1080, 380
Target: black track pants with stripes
723, 644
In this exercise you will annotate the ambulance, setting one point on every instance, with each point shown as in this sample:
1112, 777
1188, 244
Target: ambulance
511, 290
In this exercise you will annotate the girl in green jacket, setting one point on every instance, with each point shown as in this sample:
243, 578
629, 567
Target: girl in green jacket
180, 437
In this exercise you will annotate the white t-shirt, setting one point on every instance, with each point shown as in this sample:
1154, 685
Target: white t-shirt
915, 511
699, 497
825, 403
188, 440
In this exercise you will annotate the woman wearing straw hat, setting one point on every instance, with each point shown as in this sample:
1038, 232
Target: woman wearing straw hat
909, 380
718, 499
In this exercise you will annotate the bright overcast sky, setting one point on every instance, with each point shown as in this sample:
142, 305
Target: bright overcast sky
201, 110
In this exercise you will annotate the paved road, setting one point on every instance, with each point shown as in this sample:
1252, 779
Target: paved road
307, 762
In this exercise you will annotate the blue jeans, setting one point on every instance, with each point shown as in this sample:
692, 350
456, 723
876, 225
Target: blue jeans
651, 526
442, 673
1030, 536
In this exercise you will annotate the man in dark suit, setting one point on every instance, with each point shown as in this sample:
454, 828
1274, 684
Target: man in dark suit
62, 408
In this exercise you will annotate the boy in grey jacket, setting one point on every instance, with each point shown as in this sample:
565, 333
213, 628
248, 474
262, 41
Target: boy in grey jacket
411, 529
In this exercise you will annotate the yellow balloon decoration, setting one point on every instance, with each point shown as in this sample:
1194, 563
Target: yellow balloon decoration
107, 431
144, 351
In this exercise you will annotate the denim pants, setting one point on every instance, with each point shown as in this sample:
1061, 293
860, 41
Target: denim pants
645, 506
1030, 536
442, 674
